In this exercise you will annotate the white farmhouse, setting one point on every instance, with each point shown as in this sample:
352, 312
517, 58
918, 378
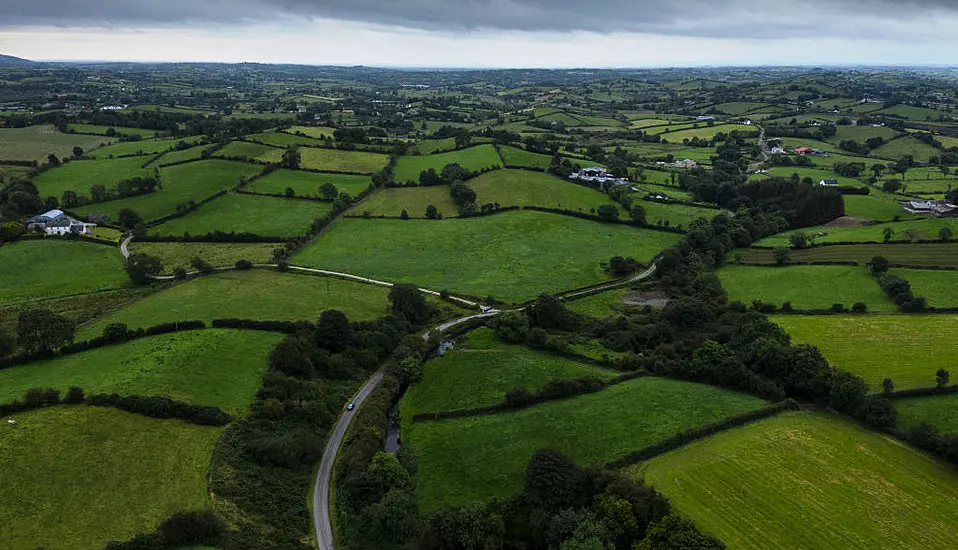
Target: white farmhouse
55, 222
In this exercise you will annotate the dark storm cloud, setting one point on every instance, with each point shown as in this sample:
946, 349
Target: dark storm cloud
736, 18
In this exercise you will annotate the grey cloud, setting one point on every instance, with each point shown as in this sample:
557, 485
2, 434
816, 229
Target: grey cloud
710, 18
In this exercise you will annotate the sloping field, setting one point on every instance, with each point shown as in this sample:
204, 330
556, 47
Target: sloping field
803, 480
473, 158
525, 188
270, 216
35, 269
476, 459
898, 148
513, 255
335, 160
481, 369
814, 174
258, 294
79, 477
520, 157
144, 147
866, 207
906, 348
221, 368
36, 142
943, 254
252, 151
414, 200
939, 287
941, 411
307, 184
919, 229
79, 176
177, 255
806, 287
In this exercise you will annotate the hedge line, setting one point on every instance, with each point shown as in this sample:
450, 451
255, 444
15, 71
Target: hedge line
592, 217
922, 392
683, 438
189, 209
214, 237
520, 398
282, 196
194, 528
852, 243
285, 327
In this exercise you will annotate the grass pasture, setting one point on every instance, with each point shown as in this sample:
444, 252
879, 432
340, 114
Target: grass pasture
251, 151
525, 188
706, 132
315, 132
101, 130
906, 348
335, 160
939, 287
274, 217
193, 181
474, 158
513, 156
36, 142
513, 256
220, 368
144, 147
307, 184
674, 214
916, 230
862, 133
937, 255
806, 287
46, 268
802, 480
815, 175
414, 200
898, 148
867, 207
481, 369
257, 294
283, 139
81, 175
193, 153
941, 411
476, 459
601, 305
176, 255
110, 475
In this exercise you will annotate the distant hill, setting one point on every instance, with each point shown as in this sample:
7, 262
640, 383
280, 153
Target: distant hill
9, 60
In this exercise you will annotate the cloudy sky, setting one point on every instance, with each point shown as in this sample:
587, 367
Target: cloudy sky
486, 33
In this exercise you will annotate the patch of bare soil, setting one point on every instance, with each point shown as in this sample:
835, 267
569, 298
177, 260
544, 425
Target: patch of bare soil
849, 221
654, 298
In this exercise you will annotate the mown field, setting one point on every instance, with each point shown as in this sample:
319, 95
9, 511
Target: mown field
941, 411
907, 348
939, 287
520, 157
36, 142
220, 368
513, 256
803, 480
79, 477
307, 184
36, 269
481, 369
414, 200
252, 151
525, 188
176, 255
919, 229
257, 294
806, 287
270, 216
942, 254
335, 160
193, 181
79, 176
473, 158
476, 459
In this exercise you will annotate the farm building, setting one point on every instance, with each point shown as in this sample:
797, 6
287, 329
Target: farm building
704, 118
803, 151
828, 183
939, 208
597, 174
55, 222
687, 163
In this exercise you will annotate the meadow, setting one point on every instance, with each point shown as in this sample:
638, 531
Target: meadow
193, 153
474, 158
414, 200
941, 411
143, 147
45, 268
36, 142
939, 287
80, 175
803, 480
283, 139
906, 348
916, 230
815, 175
481, 369
897, 148
674, 214
176, 255
430, 146
914, 113
270, 216
525, 188
214, 367
939, 255
513, 256
257, 294
193, 181
706, 132
862, 133
476, 459
251, 151
513, 156
108, 475
307, 184
335, 160
101, 130
315, 132
740, 107
600, 305
806, 287
868, 207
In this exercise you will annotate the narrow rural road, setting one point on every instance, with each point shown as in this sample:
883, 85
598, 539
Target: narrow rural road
762, 145
641, 276
124, 246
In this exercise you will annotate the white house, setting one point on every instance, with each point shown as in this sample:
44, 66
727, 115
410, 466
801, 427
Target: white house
597, 174
687, 163
55, 222
828, 183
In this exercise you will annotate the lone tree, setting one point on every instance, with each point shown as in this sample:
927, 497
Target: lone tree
608, 212
333, 331
887, 386
879, 265
140, 268
291, 158
782, 255
128, 218
432, 213
944, 234
941, 378
41, 330
799, 241
328, 191
407, 301
78, 152
637, 213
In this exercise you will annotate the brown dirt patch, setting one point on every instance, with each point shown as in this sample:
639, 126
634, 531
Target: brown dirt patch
849, 221
654, 298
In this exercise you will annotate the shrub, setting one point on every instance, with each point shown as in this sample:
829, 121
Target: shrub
859, 307
244, 265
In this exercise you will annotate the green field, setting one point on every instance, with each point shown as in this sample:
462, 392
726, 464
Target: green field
919, 114
862, 133
476, 459
335, 160
414, 200
313, 131
481, 369
282, 139
874, 208
193, 181
944, 254
600, 305
474, 158
81, 175
176, 255
173, 157
514, 156
36, 269
257, 294
906, 348
898, 148
238, 213
109, 475
939, 287
919, 229
430, 146
706, 132
814, 174
740, 107
806, 287
941, 411
513, 256
36, 142
525, 188
220, 368
674, 214
804, 480
144, 147
102, 130
251, 151
307, 184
